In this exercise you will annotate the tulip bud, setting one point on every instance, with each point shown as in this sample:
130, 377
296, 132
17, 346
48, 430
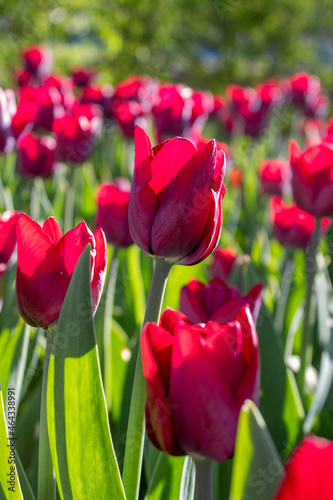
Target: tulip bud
175, 207
45, 263
112, 211
35, 156
197, 378
308, 471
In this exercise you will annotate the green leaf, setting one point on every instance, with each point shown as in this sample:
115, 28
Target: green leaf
280, 403
166, 480
7, 454
324, 292
257, 468
80, 440
14, 346
136, 283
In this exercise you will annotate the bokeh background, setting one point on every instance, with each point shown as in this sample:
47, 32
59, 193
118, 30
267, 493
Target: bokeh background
203, 43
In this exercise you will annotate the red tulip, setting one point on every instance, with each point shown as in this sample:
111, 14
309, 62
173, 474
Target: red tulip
312, 178
82, 77
36, 155
45, 263
301, 85
172, 110
175, 208
199, 141
292, 226
235, 175
76, 137
47, 105
112, 212
8, 221
38, 60
275, 176
136, 88
308, 471
100, 95
197, 378
217, 301
128, 114
223, 261
7, 110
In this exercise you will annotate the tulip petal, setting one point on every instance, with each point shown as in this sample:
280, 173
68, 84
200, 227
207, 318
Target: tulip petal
72, 244
205, 414
41, 277
8, 222
189, 210
52, 229
168, 162
170, 319
142, 146
190, 302
158, 420
99, 268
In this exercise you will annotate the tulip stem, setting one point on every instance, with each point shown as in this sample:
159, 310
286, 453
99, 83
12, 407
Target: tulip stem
46, 477
135, 429
107, 334
311, 267
281, 307
69, 202
203, 479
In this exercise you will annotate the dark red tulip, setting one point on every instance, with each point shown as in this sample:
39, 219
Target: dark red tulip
7, 111
100, 95
275, 176
76, 137
128, 114
308, 471
45, 263
82, 77
112, 211
36, 156
312, 178
292, 226
222, 263
8, 221
47, 106
175, 208
217, 301
197, 378
301, 85
37, 60
136, 88
172, 110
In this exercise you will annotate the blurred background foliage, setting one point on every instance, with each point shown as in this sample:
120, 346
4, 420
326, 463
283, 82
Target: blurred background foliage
203, 43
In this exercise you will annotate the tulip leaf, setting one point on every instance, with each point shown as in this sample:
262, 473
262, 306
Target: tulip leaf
8, 471
136, 282
280, 403
17, 344
324, 292
165, 483
80, 439
257, 468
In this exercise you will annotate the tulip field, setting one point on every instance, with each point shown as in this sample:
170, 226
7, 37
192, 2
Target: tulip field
166, 321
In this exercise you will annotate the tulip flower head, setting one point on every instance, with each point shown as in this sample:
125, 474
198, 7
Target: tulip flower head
312, 178
308, 471
197, 378
175, 207
217, 301
36, 155
112, 211
8, 221
223, 262
45, 263
275, 176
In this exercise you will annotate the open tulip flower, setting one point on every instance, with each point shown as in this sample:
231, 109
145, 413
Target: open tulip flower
308, 471
175, 207
197, 378
45, 263
312, 178
217, 301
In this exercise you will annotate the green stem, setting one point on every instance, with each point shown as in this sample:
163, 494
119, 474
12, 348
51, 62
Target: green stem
46, 477
69, 203
34, 201
135, 430
281, 307
107, 334
203, 479
306, 348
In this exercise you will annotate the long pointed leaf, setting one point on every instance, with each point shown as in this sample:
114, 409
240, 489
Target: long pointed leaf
80, 439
